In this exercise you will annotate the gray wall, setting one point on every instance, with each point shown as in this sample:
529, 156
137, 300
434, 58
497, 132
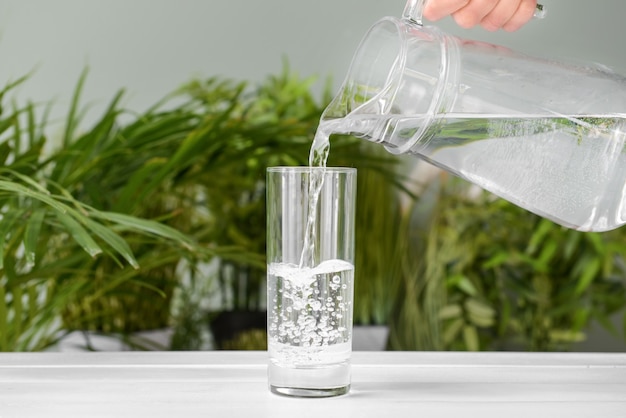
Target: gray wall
152, 46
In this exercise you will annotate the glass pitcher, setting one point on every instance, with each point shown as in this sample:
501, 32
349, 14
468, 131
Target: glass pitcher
546, 135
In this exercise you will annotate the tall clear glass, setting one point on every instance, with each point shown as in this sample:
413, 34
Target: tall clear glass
310, 275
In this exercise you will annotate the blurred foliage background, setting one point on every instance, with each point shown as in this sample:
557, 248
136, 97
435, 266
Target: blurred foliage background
155, 220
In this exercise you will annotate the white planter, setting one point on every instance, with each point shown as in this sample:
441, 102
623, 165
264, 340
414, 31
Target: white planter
77, 341
369, 337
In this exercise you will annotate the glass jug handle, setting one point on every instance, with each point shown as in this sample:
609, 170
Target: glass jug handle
413, 11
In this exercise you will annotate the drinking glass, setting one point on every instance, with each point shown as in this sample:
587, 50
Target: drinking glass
310, 274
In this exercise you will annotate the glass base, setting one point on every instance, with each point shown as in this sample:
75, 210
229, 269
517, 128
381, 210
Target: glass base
310, 393
310, 382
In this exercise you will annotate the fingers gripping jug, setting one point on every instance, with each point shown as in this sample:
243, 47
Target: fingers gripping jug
545, 135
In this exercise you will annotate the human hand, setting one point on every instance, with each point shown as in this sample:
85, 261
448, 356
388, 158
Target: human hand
492, 15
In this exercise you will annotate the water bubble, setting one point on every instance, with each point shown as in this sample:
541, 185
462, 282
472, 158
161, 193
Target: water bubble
336, 279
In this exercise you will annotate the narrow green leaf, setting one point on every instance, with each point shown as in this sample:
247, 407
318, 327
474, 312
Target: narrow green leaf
466, 285
31, 236
479, 308
11, 85
115, 241
580, 318
588, 274
18, 311
137, 182
479, 313
146, 225
7, 123
505, 317
4, 321
10, 270
43, 327
5, 151
567, 336
501, 257
470, 336
80, 235
33, 300
43, 122
543, 229
127, 274
572, 242
8, 220
450, 311
548, 251
17, 134
452, 331
169, 127
32, 125
596, 241
89, 149
28, 180
72, 118
38, 195
191, 147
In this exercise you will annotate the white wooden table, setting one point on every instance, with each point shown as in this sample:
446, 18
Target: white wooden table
384, 385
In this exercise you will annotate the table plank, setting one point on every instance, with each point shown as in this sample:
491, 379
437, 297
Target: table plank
234, 384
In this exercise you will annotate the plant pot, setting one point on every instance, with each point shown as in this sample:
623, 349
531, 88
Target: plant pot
369, 337
239, 330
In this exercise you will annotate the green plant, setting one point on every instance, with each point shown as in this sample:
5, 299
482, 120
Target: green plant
271, 124
54, 241
378, 226
183, 180
492, 276
100, 228
160, 165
